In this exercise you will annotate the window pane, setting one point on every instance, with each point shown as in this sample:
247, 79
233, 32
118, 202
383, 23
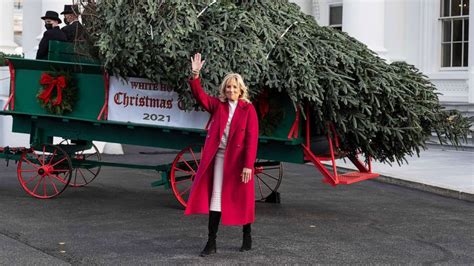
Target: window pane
465, 59
456, 8
457, 54
466, 29
445, 8
447, 31
335, 15
465, 7
457, 30
446, 55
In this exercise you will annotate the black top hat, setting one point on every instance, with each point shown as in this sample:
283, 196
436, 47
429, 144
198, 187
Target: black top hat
70, 9
51, 15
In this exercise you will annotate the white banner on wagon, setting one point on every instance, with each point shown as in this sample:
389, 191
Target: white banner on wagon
141, 101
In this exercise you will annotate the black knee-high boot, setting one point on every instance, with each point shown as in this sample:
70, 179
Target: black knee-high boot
247, 240
214, 219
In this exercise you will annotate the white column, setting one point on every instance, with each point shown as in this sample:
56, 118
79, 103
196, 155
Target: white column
317, 11
365, 21
32, 27
470, 90
323, 10
7, 44
306, 6
395, 21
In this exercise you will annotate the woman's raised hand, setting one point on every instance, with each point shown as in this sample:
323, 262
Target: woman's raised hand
196, 64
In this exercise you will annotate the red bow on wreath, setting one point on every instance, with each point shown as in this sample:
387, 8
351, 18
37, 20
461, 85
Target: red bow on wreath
50, 82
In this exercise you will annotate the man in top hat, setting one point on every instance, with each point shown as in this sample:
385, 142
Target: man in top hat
52, 33
73, 29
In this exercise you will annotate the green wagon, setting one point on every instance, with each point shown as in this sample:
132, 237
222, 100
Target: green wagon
46, 169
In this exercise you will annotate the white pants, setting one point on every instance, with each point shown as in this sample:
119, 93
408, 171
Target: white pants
217, 183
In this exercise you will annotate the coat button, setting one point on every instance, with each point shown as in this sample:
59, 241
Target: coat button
238, 145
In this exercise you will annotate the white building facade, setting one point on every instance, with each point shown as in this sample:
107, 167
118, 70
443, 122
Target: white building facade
433, 35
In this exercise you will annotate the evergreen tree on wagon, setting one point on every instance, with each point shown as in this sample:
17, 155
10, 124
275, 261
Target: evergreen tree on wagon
384, 110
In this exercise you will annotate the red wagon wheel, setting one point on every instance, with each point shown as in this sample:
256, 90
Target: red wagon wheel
268, 175
44, 173
84, 173
183, 172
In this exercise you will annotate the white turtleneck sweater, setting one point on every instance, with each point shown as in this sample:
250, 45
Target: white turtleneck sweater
219, 163
232, 106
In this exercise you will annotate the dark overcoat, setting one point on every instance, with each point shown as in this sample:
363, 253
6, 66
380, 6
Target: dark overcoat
74, 31
54, 34
238, 199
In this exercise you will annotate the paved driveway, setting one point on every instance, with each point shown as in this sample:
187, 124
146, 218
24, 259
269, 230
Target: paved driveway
121, 219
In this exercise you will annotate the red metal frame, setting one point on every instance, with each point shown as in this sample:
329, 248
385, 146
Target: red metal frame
364, 172
11, 99
104, 112
294, 130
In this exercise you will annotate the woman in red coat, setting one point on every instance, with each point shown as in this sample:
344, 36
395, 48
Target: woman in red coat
224, 185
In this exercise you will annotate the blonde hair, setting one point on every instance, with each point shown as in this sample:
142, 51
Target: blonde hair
244, 95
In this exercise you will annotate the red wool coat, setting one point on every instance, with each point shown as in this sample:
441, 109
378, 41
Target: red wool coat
238, 199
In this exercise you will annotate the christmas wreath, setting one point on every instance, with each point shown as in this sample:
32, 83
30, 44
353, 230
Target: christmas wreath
58, 93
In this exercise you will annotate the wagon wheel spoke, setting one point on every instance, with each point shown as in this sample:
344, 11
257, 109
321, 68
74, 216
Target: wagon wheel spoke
54, 185
45, 193
260, 188
183, 172
269, 175
56, 163
58, 178
77, 170
37, 185
75, 176
185, 191
189, 166
38, 158
272, 177
32, 164
51, 181
184, 178
61, 170
194, 156
51, 159
264, 183
82, 174
31, 179
28, 171
90, 171
44, 154
82, 159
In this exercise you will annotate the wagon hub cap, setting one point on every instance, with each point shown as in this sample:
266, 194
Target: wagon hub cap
45, 170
